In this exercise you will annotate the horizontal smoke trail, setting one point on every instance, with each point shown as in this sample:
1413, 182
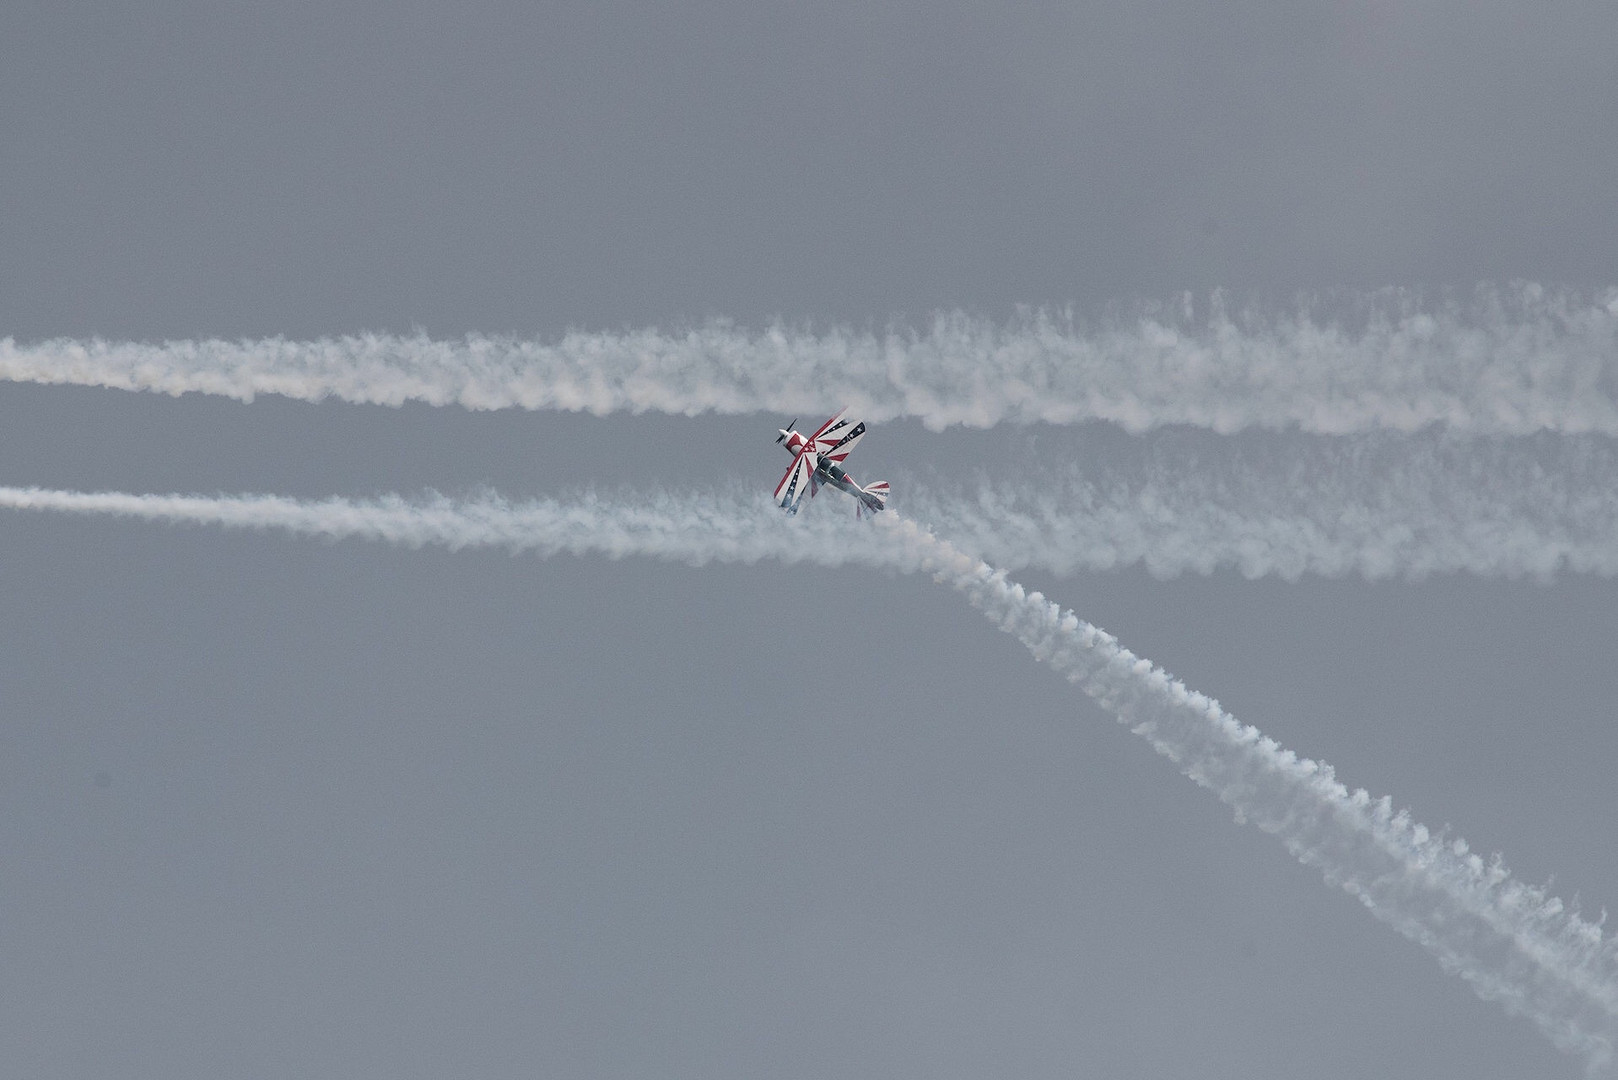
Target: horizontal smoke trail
691, 528
1513, 362
1377, 507
1513, 943
1404, 509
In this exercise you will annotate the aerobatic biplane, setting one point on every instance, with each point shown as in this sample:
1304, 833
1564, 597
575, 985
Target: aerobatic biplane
818, 459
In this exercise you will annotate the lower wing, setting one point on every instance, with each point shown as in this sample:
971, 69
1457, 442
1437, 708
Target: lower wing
795, 484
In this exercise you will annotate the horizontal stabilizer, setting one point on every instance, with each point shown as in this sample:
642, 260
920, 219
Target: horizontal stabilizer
872, 497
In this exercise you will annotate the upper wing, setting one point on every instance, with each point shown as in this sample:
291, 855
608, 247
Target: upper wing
795, 484
823, 428
836, 438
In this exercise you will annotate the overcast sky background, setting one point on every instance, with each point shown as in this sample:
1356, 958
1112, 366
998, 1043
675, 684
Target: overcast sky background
279, 808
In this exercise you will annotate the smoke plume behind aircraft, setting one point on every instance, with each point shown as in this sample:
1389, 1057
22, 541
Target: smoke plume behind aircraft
1514, 944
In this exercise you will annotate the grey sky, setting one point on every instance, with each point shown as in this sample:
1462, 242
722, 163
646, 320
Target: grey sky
280, 808
180, 169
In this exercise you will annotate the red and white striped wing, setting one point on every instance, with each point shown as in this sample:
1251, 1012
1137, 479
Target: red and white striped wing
823, 428
795, 484
836, 438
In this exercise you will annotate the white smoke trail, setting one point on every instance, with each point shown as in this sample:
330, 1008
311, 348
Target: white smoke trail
1377, 507
1504, 362
1393, 508
692, 528
1513, 943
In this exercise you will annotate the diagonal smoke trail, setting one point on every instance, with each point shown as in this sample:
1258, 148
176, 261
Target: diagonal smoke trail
1513, 943
1510, 361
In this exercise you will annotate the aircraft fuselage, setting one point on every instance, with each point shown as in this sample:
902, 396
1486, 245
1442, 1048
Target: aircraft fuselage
829, 472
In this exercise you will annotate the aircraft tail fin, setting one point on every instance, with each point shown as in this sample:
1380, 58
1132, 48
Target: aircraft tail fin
874, 499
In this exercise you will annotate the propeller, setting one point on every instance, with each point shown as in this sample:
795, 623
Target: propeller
783, 436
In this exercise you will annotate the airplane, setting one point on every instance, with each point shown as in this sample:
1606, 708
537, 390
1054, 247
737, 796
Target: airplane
818, 459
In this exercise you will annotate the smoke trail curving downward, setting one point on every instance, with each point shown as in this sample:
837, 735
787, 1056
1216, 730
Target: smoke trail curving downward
1508, 361
1513, 943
